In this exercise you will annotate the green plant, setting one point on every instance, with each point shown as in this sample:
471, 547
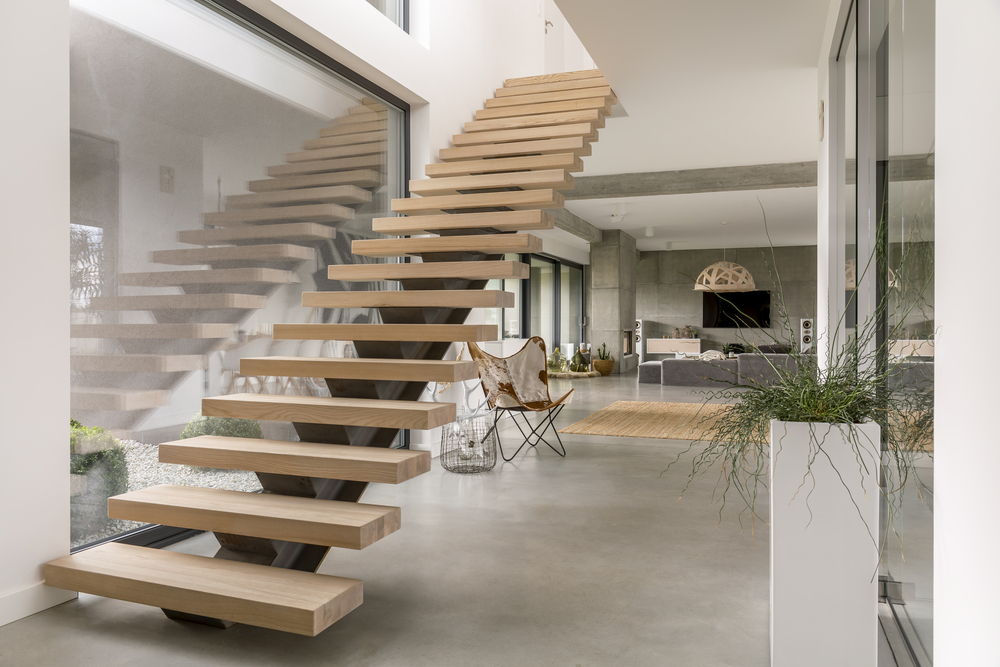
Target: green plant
100, 457
734, 348
602, 352
222, 426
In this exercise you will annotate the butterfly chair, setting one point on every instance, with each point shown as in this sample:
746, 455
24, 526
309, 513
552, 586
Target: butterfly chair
519, 384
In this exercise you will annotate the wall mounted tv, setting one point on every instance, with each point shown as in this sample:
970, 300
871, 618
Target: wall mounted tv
736, 309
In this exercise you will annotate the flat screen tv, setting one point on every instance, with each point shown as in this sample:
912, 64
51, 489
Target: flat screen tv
736, 309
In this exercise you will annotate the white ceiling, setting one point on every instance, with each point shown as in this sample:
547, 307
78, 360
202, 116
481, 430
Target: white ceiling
706, 84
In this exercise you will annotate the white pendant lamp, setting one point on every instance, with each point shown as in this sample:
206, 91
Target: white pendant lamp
724, 276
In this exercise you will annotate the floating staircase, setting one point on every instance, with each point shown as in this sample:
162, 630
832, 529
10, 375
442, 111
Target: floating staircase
272, 543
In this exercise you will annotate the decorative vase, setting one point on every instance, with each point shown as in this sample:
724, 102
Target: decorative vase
676, 333
687, 332
557, 362
824, 543
604, 366
579, 363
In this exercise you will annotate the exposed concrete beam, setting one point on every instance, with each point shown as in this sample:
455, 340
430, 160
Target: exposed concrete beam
576, 225
688, 181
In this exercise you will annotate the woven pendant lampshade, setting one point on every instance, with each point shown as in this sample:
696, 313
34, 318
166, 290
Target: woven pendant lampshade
725, 277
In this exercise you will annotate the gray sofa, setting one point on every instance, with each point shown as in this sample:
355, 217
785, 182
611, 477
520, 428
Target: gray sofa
744, 369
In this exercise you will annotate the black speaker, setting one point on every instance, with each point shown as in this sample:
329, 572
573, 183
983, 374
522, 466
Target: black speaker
806, 334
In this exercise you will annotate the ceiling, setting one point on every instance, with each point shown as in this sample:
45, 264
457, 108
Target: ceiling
706, 84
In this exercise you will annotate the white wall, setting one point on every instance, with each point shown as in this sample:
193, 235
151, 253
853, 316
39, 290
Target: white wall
966, 512
34, 269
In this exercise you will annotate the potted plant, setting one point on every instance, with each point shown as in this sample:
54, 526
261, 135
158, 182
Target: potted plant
827, 443
605, 362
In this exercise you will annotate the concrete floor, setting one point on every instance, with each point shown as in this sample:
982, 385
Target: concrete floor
587, 561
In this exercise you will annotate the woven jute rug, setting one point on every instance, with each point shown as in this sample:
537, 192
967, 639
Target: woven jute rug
640, 419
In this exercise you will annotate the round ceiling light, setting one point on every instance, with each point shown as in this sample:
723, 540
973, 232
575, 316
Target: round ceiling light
725, 277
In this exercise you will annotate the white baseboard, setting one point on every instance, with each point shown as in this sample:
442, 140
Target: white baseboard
31, 600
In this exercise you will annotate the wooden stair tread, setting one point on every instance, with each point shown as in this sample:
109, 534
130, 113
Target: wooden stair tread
277, 598
576, 145
363, 178
545, 107
593, 116
525, 134
335, 194
567, 161
305, 213
554, 179
516, 200
114, 399
410, 370
354, 150
445, 333
156, 331
552, 86
137, 363
329, 523
558, 96
256, 252
487, 243
301, 232
179, 302
409, 299
208, 277
374, 161
551, 78
486, 270
345, 139
355, 118
354, 128
325, 410
503, 221
306, 459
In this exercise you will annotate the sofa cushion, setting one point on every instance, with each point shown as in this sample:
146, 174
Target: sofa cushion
698, 373
760, 368
649, 372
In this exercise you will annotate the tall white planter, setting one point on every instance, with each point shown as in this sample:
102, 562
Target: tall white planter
824, 556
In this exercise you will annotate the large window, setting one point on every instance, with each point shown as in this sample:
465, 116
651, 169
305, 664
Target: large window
216, 173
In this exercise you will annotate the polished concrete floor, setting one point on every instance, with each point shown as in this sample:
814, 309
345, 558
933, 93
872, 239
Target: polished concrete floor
587, 561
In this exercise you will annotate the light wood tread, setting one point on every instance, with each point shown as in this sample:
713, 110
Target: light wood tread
516, 200
593, 116
329, 523
156, 331
491, 244
600, 103
298, 232
346, 139
363, 178
208, 277
409, 299
487, 270
257, 252
552, 86
552, 78
555, 179
376, 161
558, 96
354, 128
354, 150
121, 400
305, 459
576, 145
180, 302
526, 134
501, 221
410, 370
432, 333
287, 600
566, 161
305, 213
353, 119
137, 363
421, 415
334, 194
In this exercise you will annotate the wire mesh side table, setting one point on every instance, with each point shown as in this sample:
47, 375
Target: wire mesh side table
469, 445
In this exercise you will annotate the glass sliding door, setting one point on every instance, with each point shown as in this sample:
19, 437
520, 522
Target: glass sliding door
570, 308
542, 287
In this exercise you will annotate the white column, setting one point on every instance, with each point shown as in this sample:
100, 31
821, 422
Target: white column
967, 444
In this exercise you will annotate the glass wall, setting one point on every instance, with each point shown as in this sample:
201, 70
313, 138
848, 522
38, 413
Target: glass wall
570, 308
395, 10
215, 175
542, 290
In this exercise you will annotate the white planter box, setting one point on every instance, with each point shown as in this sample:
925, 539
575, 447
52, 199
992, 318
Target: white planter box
824, 578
